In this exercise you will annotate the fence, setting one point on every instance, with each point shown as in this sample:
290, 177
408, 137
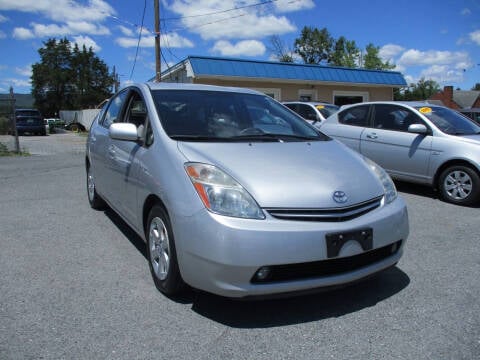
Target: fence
7, 123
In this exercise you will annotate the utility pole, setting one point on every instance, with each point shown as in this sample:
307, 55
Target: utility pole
157, 42
14, 121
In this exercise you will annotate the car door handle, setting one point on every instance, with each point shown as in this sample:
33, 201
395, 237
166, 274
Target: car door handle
372, 136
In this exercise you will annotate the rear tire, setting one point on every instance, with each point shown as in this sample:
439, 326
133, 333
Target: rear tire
460, 185
96, 202
162, 254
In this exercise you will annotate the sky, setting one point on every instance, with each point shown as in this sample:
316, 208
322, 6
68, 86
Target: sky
431, 39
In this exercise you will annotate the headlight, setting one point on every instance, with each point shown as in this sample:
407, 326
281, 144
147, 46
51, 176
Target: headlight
221, 194
388, 185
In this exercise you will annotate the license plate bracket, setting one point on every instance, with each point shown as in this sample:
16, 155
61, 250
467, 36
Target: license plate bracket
335, 241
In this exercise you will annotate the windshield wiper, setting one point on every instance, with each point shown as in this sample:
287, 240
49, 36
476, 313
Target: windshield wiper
271, 137
196, 138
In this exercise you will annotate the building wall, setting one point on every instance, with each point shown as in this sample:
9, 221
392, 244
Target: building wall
318, 92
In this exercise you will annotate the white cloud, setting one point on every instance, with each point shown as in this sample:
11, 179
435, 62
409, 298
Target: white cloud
70, 28
171, 40
245, 47
442, 74
87, 41
3, 18
246, 23
126, 31
62, 10
25, 71
18, 82
389, 51
466, 11
475, 36
22, 33
415, 57
289, 5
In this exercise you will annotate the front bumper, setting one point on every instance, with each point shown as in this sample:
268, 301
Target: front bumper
221, 255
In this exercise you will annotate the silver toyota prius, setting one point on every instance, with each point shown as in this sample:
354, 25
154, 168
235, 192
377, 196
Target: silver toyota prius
236, 195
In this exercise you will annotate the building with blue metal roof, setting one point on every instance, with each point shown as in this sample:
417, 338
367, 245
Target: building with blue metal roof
289, 81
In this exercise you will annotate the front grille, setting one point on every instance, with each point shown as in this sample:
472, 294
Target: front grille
329, 267
326, 215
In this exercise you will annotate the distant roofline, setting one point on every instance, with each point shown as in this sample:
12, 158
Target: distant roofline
285, 63
211, 75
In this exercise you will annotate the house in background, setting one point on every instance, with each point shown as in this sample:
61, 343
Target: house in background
289, 81
457, 99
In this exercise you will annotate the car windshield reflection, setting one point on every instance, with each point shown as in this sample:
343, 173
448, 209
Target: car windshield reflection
211, 116
449, 121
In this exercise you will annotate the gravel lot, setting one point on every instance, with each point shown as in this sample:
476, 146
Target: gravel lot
75, 285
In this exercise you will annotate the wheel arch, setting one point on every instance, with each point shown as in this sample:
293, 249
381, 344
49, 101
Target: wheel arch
149, 203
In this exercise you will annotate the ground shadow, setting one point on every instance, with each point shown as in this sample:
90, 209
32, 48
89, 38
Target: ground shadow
126, 230
416, 189
301, 309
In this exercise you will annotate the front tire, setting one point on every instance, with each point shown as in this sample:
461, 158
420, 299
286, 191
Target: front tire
460, 185
96, 202
162, 255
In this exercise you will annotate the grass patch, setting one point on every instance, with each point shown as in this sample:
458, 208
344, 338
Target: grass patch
5, 152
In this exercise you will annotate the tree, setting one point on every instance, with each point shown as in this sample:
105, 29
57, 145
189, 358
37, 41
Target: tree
476, 87
67, 78
279, 49
345, 53
314, 46
422, 90
372, 59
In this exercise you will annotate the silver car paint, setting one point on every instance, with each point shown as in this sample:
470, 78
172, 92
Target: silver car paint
406, 156
219, 254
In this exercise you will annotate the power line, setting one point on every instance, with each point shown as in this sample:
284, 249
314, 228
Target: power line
224, 11
139, 39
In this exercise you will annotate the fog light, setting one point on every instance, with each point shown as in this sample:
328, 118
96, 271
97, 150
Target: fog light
394, 248
263, 273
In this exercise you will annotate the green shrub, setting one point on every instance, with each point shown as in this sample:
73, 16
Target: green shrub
4, 125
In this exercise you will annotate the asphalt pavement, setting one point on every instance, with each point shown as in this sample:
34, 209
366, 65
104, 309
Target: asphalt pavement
75, 284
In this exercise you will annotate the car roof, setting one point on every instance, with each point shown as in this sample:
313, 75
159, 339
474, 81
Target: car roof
405, 103
308, 102
475, 110
182, 86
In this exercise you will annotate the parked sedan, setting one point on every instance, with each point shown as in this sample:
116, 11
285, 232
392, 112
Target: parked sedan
313, 112
415, 142
236, 195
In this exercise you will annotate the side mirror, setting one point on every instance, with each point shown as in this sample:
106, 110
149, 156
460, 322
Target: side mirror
418, 129
123, 131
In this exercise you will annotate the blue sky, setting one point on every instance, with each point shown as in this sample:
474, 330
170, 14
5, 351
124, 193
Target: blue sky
435, 39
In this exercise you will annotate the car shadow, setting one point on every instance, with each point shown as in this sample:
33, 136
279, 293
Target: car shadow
416, 189
256, 313
303, 308
423, 190
126, 230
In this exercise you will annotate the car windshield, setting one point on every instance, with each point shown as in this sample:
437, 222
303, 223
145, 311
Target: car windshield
327, 110
197, 115
449, 121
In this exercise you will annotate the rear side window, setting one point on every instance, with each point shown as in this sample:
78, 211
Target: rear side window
356, 116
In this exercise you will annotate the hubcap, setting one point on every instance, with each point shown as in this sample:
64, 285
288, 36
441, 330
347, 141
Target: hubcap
458, 185
90, 185
159, 248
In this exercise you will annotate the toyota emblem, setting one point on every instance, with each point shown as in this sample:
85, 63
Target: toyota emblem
340, 197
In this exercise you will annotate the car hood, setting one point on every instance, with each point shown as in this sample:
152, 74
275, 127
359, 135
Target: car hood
291, 174
472, 139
